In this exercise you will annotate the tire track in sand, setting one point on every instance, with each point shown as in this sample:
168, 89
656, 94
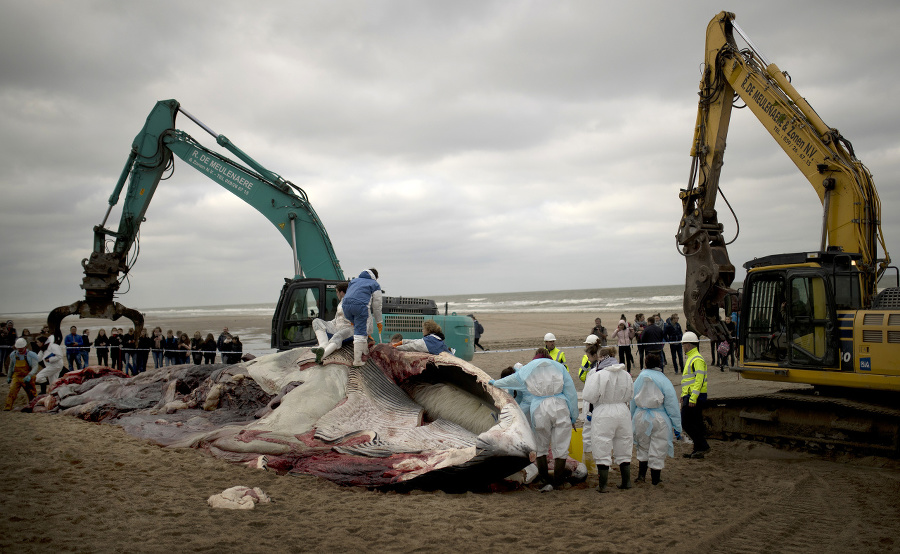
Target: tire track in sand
798, 521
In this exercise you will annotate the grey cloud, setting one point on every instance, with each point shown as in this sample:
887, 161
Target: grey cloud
449, 144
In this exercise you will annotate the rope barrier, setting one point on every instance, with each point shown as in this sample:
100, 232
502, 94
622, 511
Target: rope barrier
508, 350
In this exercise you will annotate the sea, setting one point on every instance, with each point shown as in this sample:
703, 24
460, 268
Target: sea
664, 299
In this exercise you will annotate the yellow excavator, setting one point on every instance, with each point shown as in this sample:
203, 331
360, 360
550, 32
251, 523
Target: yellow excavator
811, 317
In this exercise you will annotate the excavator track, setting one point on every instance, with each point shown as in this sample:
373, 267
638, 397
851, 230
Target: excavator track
811, 420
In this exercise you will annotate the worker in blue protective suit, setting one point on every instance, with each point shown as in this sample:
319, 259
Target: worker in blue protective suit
521, 397
655, 414
360, 293
432, 340
553, 411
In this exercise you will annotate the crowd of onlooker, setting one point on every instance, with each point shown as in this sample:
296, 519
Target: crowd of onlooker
124, 350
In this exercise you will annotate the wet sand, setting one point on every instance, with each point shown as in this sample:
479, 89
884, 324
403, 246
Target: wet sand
70, 485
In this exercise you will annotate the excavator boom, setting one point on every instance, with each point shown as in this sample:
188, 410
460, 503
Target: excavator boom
851, 208
285, 205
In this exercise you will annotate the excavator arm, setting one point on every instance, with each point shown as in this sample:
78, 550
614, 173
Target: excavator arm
851, 207
284, 204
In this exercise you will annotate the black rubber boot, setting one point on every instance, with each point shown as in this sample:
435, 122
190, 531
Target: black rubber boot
543, 472
43, 388
625, 469
559, 472
603, 473
642, 472
655, 475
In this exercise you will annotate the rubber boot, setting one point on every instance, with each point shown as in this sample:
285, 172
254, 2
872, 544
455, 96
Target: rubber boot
43, 388
559, 472
589, 463
655, 475
603, 474
642, 471
625, 469
360, 347
543, 469
319, 352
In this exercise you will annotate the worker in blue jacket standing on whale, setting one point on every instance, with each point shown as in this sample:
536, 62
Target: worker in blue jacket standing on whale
361, 292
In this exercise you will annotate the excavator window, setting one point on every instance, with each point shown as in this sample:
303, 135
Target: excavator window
790, 320
809, 320
767, 322
303, 307
305, 303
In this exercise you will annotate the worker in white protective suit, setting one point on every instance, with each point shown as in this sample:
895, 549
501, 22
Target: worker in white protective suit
610, 390
598, 357
655, 414
332, 334
554, 411
360, 292
54, 360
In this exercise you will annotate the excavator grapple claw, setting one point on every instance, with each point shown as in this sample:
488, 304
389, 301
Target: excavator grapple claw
95, 310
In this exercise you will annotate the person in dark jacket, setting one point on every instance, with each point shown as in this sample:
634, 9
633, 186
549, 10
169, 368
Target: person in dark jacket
653, 340
73, 348
159, 344
115, 349
86, 348
237, 349
197, 348
209, 349
184, 349
171, 348
673, 337
101, 344
144, 345
479, 330
129, 345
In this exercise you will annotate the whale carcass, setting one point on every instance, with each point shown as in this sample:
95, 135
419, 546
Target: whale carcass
402, 418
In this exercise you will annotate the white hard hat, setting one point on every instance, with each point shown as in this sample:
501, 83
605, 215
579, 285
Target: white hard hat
549, 336
591, 339
21, 343
690, 337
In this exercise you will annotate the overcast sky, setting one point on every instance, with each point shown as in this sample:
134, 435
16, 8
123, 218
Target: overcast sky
459, 147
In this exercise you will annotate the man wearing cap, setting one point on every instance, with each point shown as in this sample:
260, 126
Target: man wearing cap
693, 395
556, 354
22, 368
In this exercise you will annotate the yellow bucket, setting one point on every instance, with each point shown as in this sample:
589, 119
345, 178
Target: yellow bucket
576, 447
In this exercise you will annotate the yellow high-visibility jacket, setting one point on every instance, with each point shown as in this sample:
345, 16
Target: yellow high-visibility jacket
559, 356
693, 382
585, 367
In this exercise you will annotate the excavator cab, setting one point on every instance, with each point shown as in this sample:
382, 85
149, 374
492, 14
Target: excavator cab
302, 301
791, 315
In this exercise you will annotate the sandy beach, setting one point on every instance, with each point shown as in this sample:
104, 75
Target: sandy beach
75, 486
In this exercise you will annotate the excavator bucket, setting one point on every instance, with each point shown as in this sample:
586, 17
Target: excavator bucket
95, 310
